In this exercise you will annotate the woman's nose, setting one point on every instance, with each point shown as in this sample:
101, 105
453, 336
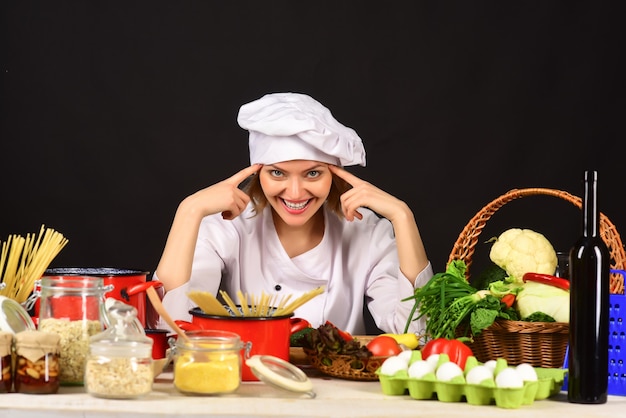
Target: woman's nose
294, 187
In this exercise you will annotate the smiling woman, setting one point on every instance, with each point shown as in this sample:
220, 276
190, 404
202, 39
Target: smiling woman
300, 222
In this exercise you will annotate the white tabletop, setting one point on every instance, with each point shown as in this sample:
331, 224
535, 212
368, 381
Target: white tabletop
334, 398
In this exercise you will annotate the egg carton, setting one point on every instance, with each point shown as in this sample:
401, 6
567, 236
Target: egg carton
617, 346
548, 383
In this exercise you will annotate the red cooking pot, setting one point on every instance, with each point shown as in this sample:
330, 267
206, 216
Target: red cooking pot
129, 286
268, 335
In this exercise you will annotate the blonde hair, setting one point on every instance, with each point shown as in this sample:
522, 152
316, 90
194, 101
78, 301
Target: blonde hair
338, 187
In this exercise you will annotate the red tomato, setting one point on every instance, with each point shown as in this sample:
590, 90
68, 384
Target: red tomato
384, 345
457, 350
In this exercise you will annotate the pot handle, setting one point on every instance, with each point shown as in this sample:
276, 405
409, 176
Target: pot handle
142, 287
187, 326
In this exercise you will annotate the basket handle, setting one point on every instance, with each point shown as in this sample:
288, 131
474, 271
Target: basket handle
465, 244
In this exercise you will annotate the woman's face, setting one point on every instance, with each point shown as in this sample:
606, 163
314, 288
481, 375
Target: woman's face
296, 189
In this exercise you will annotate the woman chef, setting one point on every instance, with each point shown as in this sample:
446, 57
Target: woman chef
300, 223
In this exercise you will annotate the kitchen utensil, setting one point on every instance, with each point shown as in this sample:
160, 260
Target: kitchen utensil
158, 306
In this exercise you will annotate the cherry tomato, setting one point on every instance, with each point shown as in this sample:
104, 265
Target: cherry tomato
383, 345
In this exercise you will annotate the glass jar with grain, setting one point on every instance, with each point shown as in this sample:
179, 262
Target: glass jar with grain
119, 365
208, 362
37, 367
73, 308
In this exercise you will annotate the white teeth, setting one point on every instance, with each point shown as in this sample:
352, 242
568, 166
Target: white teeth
296, 206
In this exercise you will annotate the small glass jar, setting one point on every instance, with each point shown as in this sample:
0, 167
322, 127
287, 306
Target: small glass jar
6, 349
73, 308
119, 365
37, 365
208, 362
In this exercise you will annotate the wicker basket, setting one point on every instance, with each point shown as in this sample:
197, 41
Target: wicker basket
344, 366
542, 344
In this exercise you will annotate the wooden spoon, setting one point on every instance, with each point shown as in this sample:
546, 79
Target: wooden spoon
158, 306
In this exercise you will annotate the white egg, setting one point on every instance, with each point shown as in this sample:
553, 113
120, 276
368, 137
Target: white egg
528, 372
406, 355
420, 368
509, 378
491, 364
479, 374
393, 365
447, 371
433, 359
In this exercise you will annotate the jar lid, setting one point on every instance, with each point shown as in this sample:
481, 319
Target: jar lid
123, 331
280, 373
13, 317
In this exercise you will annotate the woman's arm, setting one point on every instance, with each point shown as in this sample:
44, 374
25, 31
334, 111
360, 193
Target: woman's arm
411, 252
174, 268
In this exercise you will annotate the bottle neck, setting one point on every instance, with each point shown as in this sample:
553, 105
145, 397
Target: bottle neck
591, 215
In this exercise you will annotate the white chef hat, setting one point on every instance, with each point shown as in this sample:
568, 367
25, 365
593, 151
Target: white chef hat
293, 126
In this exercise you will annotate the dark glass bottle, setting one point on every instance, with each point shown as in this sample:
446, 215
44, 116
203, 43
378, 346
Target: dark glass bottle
589, 305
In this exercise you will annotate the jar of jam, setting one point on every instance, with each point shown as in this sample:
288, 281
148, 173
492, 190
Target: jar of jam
73, 308
208, 362
119, 365
6, 348
37, 366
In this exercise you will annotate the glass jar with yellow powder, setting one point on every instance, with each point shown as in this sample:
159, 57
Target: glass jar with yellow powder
208, 362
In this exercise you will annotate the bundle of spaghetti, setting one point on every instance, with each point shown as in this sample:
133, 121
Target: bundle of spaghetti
264, 305
24, 260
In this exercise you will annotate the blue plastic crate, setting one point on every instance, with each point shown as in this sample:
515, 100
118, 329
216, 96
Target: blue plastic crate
617, 345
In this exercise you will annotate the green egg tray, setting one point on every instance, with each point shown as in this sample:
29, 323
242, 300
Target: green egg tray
548, 383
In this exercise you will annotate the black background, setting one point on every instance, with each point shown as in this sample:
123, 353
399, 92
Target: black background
112, 112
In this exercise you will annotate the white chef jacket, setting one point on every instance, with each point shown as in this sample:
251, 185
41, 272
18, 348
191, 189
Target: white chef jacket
353, 260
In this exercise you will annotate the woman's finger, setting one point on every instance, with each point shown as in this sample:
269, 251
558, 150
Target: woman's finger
239, 177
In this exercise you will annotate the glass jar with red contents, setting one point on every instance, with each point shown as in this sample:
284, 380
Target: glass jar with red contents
6, 347
37, 362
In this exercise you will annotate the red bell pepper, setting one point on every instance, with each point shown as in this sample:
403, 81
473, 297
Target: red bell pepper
298, 324
508, 300
547, 279
457, 350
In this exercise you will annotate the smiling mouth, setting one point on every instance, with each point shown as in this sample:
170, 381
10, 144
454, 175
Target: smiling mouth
296, 205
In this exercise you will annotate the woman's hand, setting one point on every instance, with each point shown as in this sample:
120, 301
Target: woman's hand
364, 194
411, 252
225, 197
174, 268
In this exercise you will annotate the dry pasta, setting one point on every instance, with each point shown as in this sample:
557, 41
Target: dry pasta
24, 260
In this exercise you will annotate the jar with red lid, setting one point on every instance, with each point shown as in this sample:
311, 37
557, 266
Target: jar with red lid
37, 367
6, 347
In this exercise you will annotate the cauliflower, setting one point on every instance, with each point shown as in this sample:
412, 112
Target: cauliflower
520, 251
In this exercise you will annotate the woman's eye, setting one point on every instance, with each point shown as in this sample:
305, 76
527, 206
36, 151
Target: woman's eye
276, 173
313, 174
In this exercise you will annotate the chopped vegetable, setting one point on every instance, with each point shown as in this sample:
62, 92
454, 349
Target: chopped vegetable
508, 300
520, 251
456, 350
298, 338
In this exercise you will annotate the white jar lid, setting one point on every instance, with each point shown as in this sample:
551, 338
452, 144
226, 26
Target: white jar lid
13, 317
280, 373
